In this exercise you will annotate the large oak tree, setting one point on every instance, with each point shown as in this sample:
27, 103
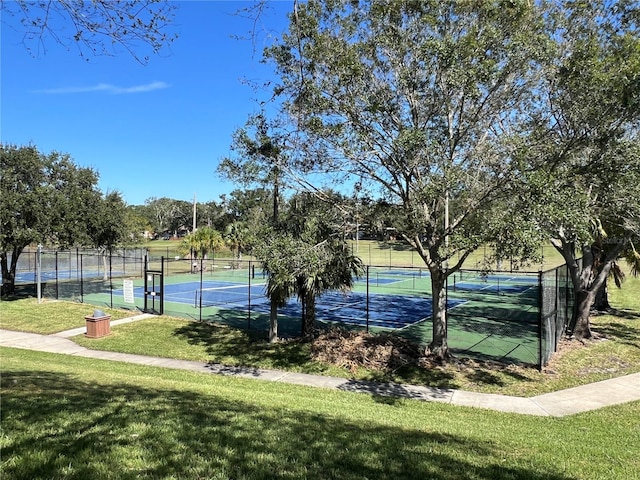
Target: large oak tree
582, 150
48, 199
418, 102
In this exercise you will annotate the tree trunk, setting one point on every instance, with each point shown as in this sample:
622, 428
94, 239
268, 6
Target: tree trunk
581, 327
309, 314
601, 302
105, 266
273, 322
9, 270
439, 348
8, 277
587, 276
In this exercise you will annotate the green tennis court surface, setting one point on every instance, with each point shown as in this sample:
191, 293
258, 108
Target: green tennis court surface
489, 316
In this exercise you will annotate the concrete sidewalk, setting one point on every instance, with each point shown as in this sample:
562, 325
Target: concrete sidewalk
566, 402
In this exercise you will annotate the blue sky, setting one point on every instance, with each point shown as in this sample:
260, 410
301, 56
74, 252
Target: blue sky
154, 130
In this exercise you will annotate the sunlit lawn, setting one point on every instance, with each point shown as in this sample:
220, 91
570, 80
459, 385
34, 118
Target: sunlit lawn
26, 314
77, 418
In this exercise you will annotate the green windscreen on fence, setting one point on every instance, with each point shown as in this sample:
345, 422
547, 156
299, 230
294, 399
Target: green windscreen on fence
513, 317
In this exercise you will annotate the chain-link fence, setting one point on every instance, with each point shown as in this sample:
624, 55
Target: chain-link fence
556, 307
516, 317
81, 275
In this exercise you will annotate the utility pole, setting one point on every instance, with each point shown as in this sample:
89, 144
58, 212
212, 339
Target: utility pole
194, 213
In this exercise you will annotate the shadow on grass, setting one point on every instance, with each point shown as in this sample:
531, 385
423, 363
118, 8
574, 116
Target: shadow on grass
625, 314
250, 351
248, 348
620, 332
61, 427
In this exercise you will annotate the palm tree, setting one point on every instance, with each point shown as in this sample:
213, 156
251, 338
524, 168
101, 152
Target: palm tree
235, 236
201, 242
335, 269
280, 261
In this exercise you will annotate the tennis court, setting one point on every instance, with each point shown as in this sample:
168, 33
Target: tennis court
493, 283
356, 308
496, 316
49, 275
380, 311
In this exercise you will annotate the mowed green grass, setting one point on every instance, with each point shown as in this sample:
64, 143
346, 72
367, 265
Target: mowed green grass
397, 253
76, 418
49, 316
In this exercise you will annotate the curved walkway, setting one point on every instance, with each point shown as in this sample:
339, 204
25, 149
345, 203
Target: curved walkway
565, 402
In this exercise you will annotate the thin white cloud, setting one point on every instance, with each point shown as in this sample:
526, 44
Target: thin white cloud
107, 88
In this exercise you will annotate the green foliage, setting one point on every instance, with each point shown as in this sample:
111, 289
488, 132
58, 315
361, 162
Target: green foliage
203, 241
137, 226
48, 199
259, 156
108, 225
167, 214
238, 237
306, 254
418, 102
22, 209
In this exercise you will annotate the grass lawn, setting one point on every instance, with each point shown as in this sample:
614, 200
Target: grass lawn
76, 418
50, 316
373, 252
397, 253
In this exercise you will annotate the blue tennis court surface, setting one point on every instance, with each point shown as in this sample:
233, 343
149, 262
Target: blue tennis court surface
385, 311
50, 275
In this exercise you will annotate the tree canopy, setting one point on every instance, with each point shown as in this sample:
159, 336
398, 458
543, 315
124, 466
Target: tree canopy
581, 153
48, 199
454, 113
418, 102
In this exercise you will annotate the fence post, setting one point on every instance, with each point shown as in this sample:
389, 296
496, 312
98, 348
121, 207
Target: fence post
81, 279
201, 265
110, 278
39, 273
249, 297
540, 314
57, 292
162, 286
367, 315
